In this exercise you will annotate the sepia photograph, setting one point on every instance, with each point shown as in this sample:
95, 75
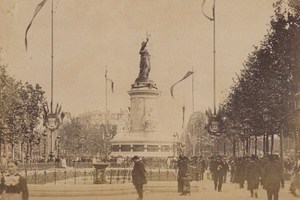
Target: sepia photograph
149, 99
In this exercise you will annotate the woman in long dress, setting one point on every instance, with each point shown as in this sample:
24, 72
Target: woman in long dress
13, 186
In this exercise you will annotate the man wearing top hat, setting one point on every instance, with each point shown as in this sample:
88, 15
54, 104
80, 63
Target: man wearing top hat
272, 177
218, 173
138, 176
252, 175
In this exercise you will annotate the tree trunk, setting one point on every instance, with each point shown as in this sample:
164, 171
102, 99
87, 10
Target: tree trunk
224, 148
30, 150
234, 147
255, 145
272, 143
264, 144
238, 148
296, 142
281, 146
27, 152
247, 145
267, 143
13, 150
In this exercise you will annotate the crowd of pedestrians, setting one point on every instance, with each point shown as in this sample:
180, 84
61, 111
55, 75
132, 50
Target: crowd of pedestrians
249, 172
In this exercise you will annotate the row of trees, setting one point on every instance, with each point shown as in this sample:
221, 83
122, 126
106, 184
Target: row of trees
81, 137
21, 109
262, 100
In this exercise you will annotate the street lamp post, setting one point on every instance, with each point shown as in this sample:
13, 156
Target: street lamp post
174, 144
232, 132
57, 145
45, 145
52, 123
246, 136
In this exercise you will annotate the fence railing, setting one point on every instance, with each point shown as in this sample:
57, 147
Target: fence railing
80, 165
87, 176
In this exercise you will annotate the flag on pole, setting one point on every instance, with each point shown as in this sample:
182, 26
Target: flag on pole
112, 83
205, 15
185, 76
37, 9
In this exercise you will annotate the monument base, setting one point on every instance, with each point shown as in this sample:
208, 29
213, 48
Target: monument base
150, 144
142, 136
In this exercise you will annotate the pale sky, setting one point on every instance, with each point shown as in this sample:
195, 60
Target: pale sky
92, 34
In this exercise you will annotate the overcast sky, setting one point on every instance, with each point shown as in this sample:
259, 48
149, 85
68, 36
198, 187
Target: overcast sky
92, 34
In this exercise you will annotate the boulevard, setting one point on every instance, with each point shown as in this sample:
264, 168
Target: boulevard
229, 192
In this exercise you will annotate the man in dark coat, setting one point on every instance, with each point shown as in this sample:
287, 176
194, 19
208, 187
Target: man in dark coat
252, 175
182, 170
295, 179
240, 172
138, 176
218, 173
203, 168
272, 176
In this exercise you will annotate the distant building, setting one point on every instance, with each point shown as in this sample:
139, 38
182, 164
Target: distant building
97, 118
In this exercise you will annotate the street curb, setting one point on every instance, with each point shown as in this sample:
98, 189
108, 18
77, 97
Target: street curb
101, 190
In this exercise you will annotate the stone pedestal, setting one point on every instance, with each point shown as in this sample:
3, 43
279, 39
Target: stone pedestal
100, 172
144, 136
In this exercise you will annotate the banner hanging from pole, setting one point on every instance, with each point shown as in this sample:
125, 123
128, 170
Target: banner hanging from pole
37, 9
185, 77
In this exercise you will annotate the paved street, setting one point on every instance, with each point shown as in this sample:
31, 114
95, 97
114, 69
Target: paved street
230, 192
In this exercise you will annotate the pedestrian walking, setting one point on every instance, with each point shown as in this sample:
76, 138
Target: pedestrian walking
226, 169
272, 176
182, 170
212, 165
232, 165
186, 184
252, 176
218, 173
138, 176
13, 186
203, 167
295, 180
239, 176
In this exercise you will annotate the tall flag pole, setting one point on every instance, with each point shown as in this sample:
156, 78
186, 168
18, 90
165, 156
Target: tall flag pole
106, 115
193, 91
214, 22
52, 120
183, 115
213, 18
107, 135
52, 54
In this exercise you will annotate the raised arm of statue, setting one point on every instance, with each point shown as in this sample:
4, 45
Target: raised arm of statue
144, 44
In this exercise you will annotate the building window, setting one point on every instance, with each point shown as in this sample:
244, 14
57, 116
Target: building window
152, 148
138, 148
115, 148
125, 148
165, 148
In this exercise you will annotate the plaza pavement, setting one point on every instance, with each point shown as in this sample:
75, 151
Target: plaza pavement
153, 191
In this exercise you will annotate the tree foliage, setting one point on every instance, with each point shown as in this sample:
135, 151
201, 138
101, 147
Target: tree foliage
271, 71
20, 110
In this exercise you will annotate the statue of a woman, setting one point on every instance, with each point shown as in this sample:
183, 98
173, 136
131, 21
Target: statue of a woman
144, 62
